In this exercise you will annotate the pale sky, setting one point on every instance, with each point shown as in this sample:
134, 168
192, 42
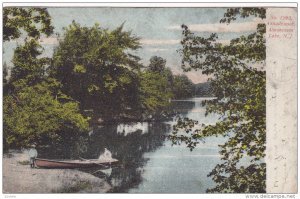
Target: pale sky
158, 28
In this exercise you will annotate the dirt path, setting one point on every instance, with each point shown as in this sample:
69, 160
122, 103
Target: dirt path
18, 178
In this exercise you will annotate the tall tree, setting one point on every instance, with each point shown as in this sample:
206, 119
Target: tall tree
96, 67
35, 110
26, 64
239, 87
157, 64
155, 92
156, 84
33, 21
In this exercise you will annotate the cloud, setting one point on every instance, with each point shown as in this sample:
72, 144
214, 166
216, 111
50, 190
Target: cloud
223, 41
49, 40
221, 27
156, 49
153, 42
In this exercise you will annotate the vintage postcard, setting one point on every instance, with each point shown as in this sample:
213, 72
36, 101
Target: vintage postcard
149, 98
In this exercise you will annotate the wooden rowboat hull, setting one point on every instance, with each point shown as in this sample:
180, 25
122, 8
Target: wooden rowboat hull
71, 164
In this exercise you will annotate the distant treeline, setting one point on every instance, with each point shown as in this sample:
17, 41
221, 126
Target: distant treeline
184, 88
203, 90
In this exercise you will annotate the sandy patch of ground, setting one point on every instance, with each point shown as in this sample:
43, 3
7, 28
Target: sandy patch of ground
18, 178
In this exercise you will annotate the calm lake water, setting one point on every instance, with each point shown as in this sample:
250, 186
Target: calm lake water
148, 162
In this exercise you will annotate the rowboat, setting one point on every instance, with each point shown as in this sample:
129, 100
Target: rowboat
72, 164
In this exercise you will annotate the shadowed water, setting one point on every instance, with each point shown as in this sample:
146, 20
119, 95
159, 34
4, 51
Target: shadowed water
148, 161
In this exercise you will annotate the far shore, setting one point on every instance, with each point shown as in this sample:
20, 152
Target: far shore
18, 177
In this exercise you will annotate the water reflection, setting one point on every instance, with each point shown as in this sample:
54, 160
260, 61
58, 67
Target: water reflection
128, 142
133, 127
128, 146
182, 107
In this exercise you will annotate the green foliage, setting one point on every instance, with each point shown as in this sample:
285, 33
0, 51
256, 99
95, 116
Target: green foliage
240, 91
36, 110
5, 79
26, 65
33, 114
243, 179
232, 13
155, 94
96, 68
183, 87
177, 86
158, 86
34, 21
248, 48
157, 64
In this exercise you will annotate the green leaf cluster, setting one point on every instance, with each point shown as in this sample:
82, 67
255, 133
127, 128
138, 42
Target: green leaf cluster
34, 21
155, 93
34, 107
183, 87
26, 65
34, 114
97, 68
239, 87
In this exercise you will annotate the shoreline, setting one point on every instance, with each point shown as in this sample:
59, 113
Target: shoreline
20, 178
